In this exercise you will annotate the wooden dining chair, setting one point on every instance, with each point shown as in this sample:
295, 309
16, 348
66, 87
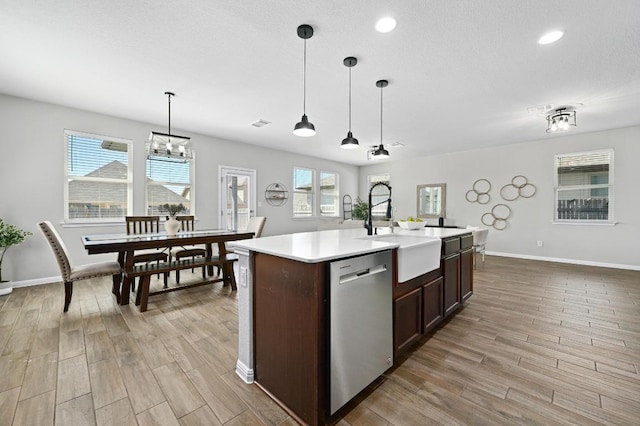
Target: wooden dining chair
187, 223
75, 273
146, 225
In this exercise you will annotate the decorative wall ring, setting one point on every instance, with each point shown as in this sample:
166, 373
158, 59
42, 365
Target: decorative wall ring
504, 215
499, 224
527, 191
519, 187
479, 192
489, 221
480, 183
519, 181
483, 198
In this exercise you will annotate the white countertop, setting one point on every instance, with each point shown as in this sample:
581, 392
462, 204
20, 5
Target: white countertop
321, 246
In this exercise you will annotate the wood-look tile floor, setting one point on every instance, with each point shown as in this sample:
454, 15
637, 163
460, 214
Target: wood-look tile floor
538, 343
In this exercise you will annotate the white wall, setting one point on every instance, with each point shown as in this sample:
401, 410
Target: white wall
531, 219
31, 176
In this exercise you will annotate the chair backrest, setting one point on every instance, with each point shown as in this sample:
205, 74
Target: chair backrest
256, 225
480, 236
142, 224
58, 247
187, 223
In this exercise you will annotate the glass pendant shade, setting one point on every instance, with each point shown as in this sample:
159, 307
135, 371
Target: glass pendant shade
304, 128
561, 120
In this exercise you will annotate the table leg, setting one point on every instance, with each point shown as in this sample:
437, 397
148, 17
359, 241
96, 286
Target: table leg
126, 281
209, 251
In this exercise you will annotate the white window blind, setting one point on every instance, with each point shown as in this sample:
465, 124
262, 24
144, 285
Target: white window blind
97, 177
584, 187
303, 192
329, 194
168, 182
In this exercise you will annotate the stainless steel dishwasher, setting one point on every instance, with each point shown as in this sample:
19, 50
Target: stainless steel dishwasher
361, 324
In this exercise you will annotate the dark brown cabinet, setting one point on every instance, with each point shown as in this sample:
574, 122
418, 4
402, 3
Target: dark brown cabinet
466, 274
451, 277
407, 320
431, 304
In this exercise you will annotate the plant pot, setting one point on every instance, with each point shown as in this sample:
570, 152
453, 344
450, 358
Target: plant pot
172, 226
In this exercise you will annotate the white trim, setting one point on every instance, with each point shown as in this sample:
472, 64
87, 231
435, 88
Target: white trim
245, 373
562, 260
29, 283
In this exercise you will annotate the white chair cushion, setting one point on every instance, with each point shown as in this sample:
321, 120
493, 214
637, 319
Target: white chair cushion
91, 270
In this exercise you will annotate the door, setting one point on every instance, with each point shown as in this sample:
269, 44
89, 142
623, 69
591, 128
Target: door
237, 197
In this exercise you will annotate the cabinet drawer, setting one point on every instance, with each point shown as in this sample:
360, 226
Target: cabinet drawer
466, 241
450, 246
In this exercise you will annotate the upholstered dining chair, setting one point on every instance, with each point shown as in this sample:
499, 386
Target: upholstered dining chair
479, 243
146, 225
75, 273
256, 225
187, 223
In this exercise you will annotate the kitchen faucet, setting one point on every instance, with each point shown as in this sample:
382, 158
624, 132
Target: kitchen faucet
369, 224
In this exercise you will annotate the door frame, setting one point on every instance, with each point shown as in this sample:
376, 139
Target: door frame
222, 191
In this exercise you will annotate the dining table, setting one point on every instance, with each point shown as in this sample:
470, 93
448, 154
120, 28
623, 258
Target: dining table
125, 245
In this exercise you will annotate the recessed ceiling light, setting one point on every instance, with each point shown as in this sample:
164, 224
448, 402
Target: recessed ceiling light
386, 24
551, 37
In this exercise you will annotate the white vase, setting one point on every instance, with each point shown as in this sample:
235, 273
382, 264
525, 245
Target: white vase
172, 226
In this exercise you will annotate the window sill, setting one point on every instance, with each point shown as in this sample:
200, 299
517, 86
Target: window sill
584, 222
91, 224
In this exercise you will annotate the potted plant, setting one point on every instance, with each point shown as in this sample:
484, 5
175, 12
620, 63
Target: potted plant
9, 236
171, 225
360, 210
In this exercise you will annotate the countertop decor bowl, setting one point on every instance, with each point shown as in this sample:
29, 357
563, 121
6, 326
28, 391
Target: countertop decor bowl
410, 225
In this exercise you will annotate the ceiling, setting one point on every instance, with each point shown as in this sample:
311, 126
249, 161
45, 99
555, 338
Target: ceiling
462, 74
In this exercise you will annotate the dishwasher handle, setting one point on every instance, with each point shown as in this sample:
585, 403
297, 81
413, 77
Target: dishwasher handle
364, 273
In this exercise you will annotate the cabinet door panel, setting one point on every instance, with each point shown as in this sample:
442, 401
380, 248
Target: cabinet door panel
407, 324
466, 275
432, 304
451, 267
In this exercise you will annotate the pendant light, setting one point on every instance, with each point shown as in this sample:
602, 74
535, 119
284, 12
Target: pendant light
167, 145
304, 127
380, 153
349, 142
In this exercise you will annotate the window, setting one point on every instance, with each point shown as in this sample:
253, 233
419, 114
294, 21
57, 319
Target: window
306, 188
329, 194
169, 181
98, 178
584, 187
303, 194
378, 197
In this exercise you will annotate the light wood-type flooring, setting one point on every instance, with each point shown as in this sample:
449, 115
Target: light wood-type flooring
538, 343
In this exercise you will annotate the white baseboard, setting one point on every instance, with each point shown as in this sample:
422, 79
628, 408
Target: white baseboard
562, 260
245, 373
29, 283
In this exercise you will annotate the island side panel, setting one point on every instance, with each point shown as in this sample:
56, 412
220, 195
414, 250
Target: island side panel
289, 323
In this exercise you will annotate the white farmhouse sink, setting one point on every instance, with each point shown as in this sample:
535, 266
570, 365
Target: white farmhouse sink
416, 255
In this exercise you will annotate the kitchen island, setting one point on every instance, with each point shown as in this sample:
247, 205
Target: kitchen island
284, 312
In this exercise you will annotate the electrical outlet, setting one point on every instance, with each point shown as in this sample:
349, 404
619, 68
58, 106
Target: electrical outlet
243, 276
540, 243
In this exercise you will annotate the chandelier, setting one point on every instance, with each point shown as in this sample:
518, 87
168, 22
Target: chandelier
166, 145
561, 120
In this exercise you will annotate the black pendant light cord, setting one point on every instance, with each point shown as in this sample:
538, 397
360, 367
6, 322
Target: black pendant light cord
381, 87
169, 95
304, 80
350, 99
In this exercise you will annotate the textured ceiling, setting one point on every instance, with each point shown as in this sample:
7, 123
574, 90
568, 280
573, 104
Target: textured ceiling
462, 73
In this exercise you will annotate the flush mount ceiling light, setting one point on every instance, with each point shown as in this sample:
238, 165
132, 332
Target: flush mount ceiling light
386, 24
561, 119
304, 127
551, 37
379, 153
349, 142
167, 145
